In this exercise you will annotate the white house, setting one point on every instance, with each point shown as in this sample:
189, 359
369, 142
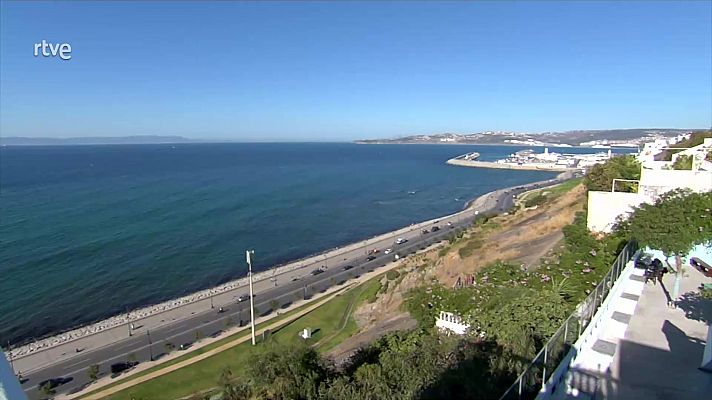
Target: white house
656, 178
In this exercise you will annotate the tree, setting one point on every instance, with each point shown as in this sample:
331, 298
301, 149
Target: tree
48, 390
273, 304
683, 162
286, 372
677, 222
230, 389
199, 335
93, 372
600, 176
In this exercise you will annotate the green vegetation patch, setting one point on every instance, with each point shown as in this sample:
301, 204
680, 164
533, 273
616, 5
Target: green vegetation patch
331, 323
470, 246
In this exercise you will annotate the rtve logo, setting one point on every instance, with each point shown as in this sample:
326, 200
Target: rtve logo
64, 50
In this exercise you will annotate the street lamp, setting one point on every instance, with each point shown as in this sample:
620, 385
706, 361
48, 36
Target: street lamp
248, 254
150, 347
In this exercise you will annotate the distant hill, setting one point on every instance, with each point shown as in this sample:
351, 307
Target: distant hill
630, 137
144, 139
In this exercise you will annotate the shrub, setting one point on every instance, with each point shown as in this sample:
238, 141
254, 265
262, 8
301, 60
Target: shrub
539, 199
392, 275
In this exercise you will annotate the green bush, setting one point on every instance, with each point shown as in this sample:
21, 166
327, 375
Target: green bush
470, 247
683, 162
392, 275
537, 200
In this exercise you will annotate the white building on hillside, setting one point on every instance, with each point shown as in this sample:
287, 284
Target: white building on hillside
656, 178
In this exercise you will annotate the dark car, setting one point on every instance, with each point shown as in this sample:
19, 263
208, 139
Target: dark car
244, 297
317, 271
435, 228
370, 258
122, 366
348, 267
424, 231
185, 346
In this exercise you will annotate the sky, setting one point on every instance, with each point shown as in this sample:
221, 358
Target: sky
341, 71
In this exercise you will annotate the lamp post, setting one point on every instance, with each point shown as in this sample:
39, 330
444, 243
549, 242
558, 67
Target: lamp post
248, 255
150, 347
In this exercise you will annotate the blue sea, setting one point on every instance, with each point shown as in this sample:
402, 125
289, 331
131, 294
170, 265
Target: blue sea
89, 231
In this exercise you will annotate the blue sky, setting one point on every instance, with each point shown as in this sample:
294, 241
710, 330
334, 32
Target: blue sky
341, 71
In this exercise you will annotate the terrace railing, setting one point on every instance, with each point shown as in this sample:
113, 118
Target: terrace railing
543, 368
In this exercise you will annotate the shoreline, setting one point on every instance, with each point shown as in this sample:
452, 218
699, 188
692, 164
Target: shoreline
123, 319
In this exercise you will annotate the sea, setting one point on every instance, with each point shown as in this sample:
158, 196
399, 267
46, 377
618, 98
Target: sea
87, 232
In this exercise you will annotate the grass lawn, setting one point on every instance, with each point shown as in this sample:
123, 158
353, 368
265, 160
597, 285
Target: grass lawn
331, 323
554, 191
198, 351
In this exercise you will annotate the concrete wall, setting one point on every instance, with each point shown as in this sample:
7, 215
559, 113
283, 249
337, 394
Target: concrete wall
656, 182
605, 207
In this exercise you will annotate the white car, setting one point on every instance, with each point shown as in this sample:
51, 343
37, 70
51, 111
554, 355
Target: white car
400, 241
387, 251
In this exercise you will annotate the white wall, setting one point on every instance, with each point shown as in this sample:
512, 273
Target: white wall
605, 207
656, 182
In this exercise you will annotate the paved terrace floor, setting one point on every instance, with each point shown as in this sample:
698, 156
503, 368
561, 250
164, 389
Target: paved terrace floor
649, 350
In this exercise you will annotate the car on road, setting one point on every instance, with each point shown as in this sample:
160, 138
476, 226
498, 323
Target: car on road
424, 231
244, 297
185, 345
388, 251
450, 225
296, 278
400, 240
435, 228
348, 267
370, 258
317, 271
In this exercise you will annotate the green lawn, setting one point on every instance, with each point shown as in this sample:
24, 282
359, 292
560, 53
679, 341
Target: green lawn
552, 192
198, 351
331, 323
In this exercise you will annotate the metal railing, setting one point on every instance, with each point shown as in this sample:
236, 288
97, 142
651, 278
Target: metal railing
544, 365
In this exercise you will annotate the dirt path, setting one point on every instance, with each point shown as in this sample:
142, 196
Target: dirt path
523, 238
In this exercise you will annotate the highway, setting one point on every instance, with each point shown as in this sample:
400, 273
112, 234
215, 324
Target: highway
282, 291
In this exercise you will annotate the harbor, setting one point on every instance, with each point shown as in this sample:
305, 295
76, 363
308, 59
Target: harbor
530, 160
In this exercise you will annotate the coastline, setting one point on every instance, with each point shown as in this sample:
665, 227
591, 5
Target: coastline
124, 319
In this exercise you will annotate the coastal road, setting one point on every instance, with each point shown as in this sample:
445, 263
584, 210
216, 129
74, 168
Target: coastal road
277, 292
